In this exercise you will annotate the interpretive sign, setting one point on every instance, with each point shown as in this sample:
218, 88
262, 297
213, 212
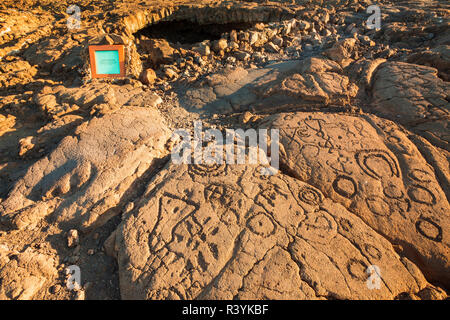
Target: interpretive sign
107, 61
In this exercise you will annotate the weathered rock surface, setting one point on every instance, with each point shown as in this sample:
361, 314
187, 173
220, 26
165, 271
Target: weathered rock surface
84, 162
19, 27
317, 81
438, 58
24, 273
224, 232
15, 71
59, 100
414, 95
314, 81
84, 179
368, 165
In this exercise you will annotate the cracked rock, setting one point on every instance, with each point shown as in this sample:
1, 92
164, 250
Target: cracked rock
84, 179
371, 167
213, 232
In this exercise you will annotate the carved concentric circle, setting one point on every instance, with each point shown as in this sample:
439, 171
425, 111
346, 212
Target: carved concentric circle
310, 196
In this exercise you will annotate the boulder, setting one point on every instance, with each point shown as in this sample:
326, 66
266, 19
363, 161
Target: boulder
369, 165
226, 232
84, 181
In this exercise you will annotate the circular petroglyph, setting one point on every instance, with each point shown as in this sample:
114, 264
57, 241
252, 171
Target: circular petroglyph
420, 175
302, 132
357, 269
261, 225
421, 195
377, 163
372, 251
310, 151
429, 229
378, 206
393, 191
319, 226
345, 186
310, 196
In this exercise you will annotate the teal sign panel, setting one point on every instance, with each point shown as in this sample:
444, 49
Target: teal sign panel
107, 62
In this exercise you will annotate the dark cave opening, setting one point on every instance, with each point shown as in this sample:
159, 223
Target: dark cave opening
187, 32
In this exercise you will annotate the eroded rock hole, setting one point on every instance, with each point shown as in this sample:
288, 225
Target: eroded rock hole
186, 32
166, 42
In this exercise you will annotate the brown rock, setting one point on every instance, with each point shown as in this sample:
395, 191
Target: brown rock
414, 96
371, 167
72, 238
213, 232
24, 274
318, 80
342, 51
26, 144
220, 45
159, 50
438, 58
85, 177
148, 76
